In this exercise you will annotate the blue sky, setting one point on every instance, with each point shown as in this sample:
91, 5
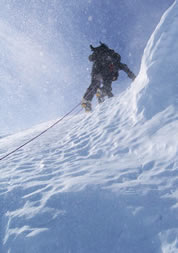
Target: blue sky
44, 50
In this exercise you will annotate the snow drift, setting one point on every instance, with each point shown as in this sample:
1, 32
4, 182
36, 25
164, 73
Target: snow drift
158, 77
100, 182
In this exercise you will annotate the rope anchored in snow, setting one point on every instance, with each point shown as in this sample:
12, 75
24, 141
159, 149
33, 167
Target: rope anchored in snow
35, 137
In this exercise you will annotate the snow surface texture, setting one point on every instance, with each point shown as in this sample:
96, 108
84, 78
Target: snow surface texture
106, 181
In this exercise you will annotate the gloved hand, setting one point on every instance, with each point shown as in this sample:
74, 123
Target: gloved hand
131, 76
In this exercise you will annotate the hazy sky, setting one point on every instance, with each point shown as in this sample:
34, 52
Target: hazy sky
124, 24
44, 48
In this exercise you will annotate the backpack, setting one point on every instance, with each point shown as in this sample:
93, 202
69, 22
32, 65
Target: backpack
106, 61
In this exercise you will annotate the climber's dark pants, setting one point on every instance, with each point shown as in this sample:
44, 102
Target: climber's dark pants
96, 81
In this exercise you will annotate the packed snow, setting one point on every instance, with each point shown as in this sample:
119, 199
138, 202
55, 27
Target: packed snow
105, 181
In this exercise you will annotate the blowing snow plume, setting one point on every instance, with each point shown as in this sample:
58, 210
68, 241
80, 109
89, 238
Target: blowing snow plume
100, 182
157, 84
35, 67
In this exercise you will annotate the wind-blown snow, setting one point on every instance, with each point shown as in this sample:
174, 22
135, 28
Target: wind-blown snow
30, 78
105, 181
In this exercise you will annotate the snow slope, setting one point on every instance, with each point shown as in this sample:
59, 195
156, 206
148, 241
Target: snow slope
105, 181
158, 75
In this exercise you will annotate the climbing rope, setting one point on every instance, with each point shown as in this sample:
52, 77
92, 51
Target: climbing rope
35, 137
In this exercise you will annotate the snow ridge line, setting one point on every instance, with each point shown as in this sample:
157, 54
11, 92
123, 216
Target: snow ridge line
44, 131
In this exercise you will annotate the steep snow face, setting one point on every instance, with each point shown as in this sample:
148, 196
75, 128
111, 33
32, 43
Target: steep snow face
100, 182
96, 183
157, 85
